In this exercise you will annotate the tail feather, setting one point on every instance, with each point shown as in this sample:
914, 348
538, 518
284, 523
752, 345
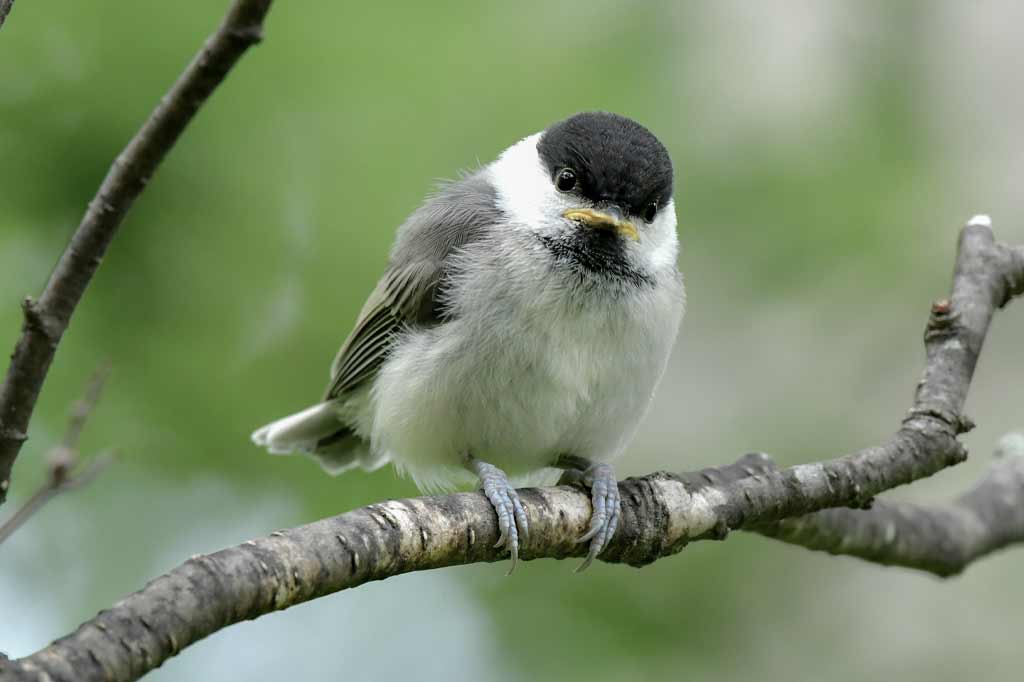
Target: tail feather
344, 450
299, 432
319, 433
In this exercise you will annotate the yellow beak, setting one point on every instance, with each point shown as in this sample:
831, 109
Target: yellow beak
603, 221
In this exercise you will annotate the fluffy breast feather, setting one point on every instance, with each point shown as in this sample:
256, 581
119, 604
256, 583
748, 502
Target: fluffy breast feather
536, 360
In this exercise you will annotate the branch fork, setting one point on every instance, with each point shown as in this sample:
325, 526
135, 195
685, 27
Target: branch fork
827, 506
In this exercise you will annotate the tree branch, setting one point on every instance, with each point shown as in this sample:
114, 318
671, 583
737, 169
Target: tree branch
661, 513
5, 8
54, 485
48, 318
940, 539
64, 472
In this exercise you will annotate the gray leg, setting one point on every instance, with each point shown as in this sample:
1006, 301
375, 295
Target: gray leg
505, 500
604, 497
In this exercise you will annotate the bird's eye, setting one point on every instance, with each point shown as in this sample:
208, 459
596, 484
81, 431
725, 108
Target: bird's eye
650, 211
565, 180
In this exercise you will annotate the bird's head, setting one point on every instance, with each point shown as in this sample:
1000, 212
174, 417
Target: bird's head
596, 188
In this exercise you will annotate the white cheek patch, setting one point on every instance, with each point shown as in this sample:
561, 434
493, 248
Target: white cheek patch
659, 244
525, 192
527, 195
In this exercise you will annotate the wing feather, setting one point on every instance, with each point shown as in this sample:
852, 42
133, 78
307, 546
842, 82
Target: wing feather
407, 295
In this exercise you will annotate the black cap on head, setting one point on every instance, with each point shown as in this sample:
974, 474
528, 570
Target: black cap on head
615, 159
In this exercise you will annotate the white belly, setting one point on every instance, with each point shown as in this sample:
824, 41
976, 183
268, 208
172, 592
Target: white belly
535, 377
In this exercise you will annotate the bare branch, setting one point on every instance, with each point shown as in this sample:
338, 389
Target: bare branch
63, 471
83, 407
50, 489
47, 318
661, 512
941, 539
5, 8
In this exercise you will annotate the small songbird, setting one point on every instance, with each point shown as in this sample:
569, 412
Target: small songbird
522, 324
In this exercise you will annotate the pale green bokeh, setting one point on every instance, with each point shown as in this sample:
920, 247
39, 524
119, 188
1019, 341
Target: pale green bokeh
826, 155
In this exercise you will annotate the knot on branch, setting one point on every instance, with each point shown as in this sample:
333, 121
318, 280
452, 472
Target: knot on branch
646, 517
41, 322
942, 322
248, 35
958, 424
12, 435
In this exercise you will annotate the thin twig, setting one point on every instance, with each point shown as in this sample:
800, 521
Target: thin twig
83, 407
661, 513
31, 506
63, 470
48, 317
90, 470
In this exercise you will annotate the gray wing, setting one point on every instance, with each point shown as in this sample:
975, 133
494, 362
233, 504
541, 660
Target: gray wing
407, 294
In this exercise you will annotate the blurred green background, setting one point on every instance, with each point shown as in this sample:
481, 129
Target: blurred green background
826, 153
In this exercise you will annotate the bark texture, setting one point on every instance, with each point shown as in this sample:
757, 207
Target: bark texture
940, 539
47, 318
824, 506
5, 8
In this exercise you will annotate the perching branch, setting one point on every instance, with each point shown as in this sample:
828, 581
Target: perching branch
63, 470
47, 318
661, 513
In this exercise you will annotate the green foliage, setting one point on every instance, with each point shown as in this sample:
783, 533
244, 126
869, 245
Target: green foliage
816, 224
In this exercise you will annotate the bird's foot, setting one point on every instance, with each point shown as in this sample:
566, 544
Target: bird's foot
604, 498
512, 523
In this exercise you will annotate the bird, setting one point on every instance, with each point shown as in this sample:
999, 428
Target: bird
523, 322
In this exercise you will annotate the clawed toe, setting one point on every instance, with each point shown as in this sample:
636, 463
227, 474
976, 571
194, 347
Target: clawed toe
512, 521
514, 527
604, 496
